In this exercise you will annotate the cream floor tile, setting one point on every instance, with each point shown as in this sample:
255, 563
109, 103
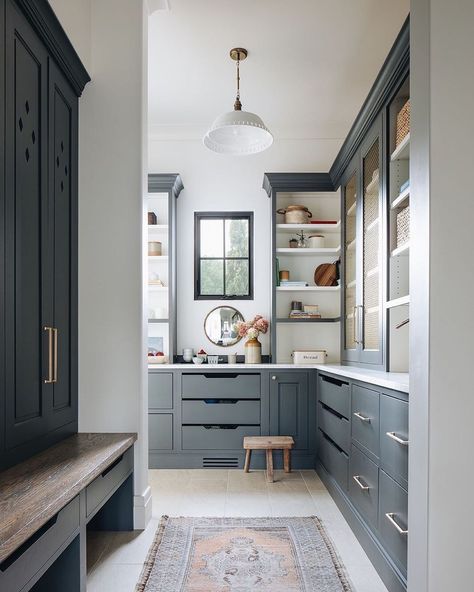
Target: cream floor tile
131, 547
243, 504
109, 577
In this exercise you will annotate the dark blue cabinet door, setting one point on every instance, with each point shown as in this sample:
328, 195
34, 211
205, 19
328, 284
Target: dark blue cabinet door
289, 406
27, 297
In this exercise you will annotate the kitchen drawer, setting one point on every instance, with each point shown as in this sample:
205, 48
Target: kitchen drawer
335, 426
335, 393
394, 438
365, 418
364, 485
108, 481
160, 390
160, 431
394, 502
232, 411
216, 437
334, 460
220, 385
18, 569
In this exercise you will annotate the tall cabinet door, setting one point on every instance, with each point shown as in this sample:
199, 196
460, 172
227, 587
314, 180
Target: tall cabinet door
371, 269
63, 243
27, 226
289, 406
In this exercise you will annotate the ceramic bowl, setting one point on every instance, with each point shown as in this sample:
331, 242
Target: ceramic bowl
157, 359
197, 360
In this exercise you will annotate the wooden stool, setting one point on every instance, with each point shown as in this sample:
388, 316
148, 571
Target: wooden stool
269, 443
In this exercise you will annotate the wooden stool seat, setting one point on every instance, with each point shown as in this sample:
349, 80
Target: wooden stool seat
269, 443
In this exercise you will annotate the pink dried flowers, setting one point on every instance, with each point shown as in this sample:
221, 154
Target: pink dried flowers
253, 328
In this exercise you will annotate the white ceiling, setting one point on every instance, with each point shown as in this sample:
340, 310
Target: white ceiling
311, 62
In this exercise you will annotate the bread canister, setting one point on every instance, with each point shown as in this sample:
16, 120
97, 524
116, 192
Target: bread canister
315, 356
154, 248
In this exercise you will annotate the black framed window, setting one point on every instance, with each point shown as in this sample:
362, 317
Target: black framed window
223, 255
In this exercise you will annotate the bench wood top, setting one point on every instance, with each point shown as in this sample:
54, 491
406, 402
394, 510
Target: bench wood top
33, 491
268, 442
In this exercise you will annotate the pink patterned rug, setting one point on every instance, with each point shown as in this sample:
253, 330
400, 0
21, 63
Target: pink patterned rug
242, 555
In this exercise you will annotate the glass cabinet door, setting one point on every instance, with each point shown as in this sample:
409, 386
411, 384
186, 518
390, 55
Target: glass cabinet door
349, 190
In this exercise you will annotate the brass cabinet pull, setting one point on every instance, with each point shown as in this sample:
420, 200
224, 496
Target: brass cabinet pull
55, 373
391, 518
362, 417
50, 378
360, 484
393, 436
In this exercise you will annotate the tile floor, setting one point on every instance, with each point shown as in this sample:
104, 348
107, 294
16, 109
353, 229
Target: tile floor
115, 559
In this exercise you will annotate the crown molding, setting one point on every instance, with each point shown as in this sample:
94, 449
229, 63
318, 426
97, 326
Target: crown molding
303, 182
165, 183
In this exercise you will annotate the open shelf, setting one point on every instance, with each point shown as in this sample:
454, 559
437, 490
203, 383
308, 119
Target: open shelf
402, 151
308, 289
309, 251
403, 250
158, 227
402, 301
158, 320
322, 320
292, 228
399, 201
153, 288
157, 257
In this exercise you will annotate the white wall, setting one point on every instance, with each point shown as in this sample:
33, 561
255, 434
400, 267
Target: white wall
441, 392
216, 182
112, 373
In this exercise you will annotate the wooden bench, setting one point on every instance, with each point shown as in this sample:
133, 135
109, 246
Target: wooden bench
47, 501
269, 444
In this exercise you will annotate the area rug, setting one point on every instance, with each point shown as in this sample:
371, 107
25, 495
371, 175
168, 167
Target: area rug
242, 555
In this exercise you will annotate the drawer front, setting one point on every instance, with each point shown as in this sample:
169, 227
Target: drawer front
231, 411
215, 437
394, 502
18, 569
160, 390
160, 431
335, 426
335, 393
334, 460
365, 418
109, 480
221, 385
394, 438
364, 485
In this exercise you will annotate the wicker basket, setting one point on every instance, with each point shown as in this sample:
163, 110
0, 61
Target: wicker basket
403, 226
403, 122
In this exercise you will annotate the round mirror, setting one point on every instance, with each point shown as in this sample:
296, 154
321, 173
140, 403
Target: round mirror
220, 328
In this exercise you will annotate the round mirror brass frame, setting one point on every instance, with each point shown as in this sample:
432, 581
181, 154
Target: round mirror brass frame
219, 342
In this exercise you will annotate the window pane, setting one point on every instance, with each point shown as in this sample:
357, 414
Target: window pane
237, 278
237, 238
212, 277
212, 238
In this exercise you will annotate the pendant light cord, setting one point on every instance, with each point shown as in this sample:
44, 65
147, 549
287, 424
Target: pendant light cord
238, 104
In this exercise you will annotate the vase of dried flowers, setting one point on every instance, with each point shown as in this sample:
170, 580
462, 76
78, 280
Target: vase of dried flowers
251, 330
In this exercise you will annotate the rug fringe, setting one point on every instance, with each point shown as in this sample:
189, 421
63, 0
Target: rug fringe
150, 559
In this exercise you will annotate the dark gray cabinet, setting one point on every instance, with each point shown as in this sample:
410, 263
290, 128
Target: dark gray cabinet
38, 355
289, 406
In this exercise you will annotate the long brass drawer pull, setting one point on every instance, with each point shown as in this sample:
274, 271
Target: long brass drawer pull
391, 518
55, 373
393, 436
50, 378
359, 483
362, 417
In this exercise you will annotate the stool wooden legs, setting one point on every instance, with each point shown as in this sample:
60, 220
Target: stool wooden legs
269, 465
248, 454
287, 460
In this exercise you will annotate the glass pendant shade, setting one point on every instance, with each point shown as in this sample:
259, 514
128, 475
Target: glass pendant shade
238, 133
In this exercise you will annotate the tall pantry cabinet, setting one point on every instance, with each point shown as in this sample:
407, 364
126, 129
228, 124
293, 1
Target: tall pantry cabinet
39, 138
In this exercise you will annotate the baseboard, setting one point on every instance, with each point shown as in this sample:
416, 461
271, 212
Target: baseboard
388, 572
142, 505
300, 460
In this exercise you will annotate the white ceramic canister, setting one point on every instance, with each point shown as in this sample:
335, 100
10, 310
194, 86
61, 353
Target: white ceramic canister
316, 241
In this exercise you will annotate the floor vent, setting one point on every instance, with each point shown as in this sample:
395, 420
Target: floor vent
220, 463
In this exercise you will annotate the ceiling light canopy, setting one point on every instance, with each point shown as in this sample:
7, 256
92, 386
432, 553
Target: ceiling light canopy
238, 132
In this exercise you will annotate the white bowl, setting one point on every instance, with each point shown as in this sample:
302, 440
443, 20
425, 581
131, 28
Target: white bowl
157, 359
197, 360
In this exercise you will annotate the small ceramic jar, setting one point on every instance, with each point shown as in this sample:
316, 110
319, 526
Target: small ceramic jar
154, 248
316, 241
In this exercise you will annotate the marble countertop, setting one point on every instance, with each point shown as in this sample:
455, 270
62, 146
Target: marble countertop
397, 381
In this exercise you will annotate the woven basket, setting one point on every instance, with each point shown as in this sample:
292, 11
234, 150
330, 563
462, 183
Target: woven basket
403, 226
403, 122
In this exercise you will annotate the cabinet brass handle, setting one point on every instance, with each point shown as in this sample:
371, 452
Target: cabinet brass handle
360, 484
393, 436
362, 417
50, 378
391, 518
55, 373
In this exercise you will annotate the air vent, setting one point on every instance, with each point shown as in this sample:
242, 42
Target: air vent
220, 463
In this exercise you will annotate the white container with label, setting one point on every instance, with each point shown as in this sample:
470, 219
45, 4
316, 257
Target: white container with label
315, 356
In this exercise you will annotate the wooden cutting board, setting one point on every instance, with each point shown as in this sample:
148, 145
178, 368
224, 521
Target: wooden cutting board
326, 274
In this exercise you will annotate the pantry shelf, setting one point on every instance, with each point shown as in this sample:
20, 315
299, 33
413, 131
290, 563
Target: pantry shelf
309, 251
403, 250
401, 199
308, 289
402, 151
292, 228
322, 320
402, 301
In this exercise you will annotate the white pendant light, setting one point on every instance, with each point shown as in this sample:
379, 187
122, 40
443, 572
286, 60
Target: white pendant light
238, 132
